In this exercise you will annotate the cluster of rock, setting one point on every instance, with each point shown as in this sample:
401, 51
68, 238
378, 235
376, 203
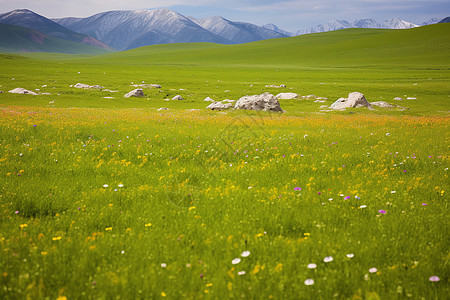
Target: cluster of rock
356, 100
147, 86
408, 98
22, 91
87, 86
275, 86
25, 92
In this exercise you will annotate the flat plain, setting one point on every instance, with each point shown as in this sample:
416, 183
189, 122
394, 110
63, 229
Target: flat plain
111, 198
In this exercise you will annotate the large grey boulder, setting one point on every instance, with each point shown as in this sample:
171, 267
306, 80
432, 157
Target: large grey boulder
135, 93
21, 91
220, 105
354, 100
287, 96
265, 102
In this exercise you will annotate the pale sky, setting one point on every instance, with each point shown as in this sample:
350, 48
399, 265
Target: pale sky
288, 14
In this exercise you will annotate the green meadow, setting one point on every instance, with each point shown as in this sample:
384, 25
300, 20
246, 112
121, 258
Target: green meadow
109, 198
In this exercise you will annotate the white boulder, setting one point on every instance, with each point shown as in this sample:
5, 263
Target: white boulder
354, 100
21, 91
162, 108
398, 99
265, 102
177, 97
208, 99
287, 96
219, 105
135, 93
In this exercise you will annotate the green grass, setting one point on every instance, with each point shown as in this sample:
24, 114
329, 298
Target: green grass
108, 198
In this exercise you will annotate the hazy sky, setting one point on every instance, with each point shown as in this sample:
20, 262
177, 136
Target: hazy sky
287, 14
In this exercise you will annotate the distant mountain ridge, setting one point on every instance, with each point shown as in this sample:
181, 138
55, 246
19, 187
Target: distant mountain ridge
128, 29
394, 23
238, 32
29, 19
23, 39
131, 29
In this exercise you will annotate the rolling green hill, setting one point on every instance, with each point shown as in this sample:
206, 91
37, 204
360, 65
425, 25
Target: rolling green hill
423, 46
22, 39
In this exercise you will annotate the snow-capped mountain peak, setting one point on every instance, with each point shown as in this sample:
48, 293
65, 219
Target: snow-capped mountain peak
396, 23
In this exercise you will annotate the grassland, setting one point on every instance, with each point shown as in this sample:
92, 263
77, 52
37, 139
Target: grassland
108, 198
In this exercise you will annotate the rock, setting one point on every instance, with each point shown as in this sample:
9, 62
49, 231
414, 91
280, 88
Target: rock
354, 100
81, 86
398, 99
21, 91
208, 99
162, 108
219, 106
276, 86
147, 86
287, 96
1, 92
87, 86
321, 98
135, 93
229, 101
108, 97
382, 104
177, 97
319, 101
265, 102
411, 98
108, 90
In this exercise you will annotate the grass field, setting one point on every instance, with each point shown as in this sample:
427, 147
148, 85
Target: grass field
109, 198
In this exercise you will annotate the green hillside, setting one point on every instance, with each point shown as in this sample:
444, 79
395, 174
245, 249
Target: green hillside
22, 39
423, 46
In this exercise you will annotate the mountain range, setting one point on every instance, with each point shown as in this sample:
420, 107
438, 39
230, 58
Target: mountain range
130, 29
394, 23
46, 28
126, 29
